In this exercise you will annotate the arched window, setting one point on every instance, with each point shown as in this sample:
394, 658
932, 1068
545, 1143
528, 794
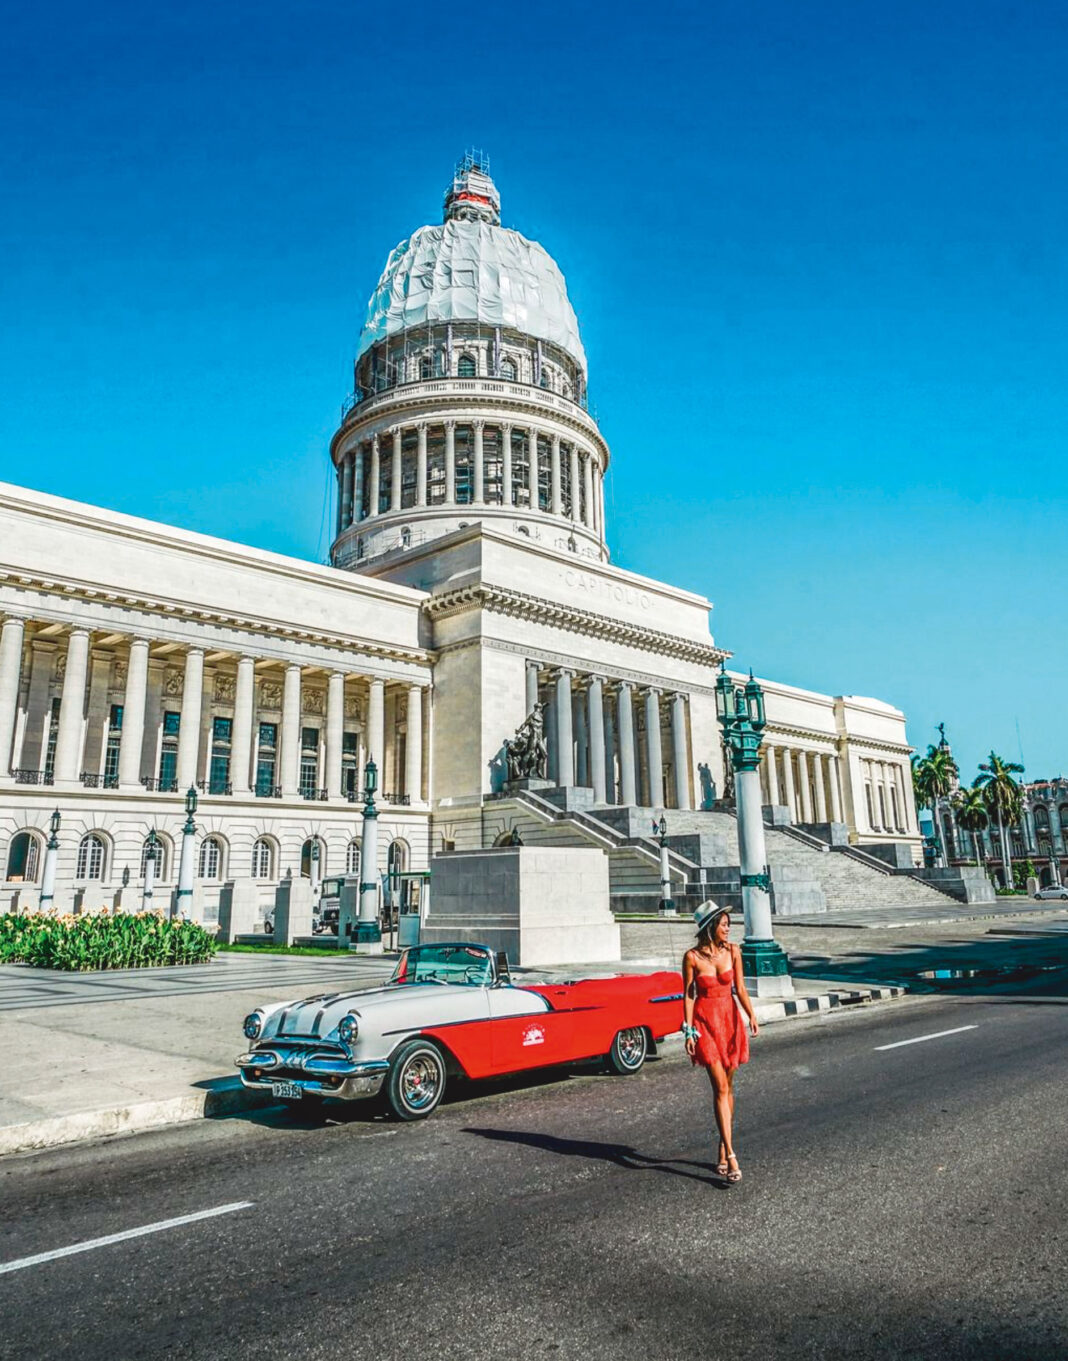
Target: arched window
161, 857
467, 367
210, 858
508, 370
261, 859
352, 858
23, 858
426, 367
91, 856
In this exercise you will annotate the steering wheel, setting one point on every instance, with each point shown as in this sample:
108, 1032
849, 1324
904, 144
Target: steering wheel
474, 974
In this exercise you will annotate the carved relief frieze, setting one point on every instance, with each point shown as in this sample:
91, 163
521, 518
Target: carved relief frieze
225, 689
270, 695
61, 666
173, 684
118, 676
314, 701
353, 708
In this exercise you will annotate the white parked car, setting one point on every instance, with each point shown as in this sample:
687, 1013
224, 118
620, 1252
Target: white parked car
1054, 891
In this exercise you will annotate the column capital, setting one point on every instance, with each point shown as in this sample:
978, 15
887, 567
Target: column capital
506, 428
478, 423
78, 632
555, 440
449, 423
396, 431
375, 441
422, 426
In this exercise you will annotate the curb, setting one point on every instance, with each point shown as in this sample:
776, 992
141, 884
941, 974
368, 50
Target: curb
226, 1097
825, 1001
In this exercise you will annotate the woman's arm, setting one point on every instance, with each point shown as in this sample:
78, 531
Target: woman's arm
742, 991
689, 993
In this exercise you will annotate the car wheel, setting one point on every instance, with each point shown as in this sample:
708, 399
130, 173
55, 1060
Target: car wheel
416, 1081
628, 1051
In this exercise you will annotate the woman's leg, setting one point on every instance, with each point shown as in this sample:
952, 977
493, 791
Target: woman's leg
721, 1087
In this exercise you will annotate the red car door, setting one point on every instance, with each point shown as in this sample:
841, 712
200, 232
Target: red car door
534, 1040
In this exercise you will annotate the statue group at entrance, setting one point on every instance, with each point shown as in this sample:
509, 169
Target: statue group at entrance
526, 753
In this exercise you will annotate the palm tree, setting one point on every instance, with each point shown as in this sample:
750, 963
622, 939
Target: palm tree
934, 778
972, 815
1003, 797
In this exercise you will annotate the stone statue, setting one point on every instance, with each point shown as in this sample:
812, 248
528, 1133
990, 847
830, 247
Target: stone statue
708, 786
526, 752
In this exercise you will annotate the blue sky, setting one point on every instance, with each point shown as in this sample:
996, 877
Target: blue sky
817, 254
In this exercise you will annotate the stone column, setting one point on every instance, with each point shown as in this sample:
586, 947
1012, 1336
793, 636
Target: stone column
376, 726
29, 750
653, 756
344, 495
833, 777
600, 502
506, 465
72, 709
595, 502
376, 476
244, 718
557, 502
575, 494
395, 481
578, 713
450, 463
821, 793
770, 758
804, 789
189, 723
289, 759
595, 727
413, 747
789, 793
420, 466
335, 727
532, 686
680, 752
133, 716
611, 788
11, 638
478, 491
565, 752
628, 785
1056, 831
587, 474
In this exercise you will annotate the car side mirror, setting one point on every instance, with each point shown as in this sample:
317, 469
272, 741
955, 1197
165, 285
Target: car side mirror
504, 975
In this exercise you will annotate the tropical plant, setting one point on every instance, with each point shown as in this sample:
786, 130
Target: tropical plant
933, 779
122, 940
1004, 799
970, 808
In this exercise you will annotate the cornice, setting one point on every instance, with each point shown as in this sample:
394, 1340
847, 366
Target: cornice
520, 605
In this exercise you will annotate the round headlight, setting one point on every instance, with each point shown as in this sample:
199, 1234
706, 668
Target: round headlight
348, 1029
253, 1025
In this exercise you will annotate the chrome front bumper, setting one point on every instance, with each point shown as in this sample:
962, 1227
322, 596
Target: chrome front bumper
316, 1072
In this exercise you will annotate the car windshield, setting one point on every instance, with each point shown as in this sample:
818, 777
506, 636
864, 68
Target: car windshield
471, 964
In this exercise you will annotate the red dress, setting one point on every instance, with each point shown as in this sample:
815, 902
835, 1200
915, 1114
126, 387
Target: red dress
721, 1033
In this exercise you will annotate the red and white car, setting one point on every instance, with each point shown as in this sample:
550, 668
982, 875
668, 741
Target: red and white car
452, 1010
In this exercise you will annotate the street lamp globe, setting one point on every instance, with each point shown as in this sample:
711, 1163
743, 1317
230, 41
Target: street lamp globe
191, 801
370, 778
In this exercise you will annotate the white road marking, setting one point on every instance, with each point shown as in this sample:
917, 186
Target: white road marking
919, 1039
91, 1243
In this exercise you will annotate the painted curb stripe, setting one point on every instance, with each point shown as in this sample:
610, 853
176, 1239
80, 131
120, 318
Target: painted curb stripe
919, 1039
91, 1243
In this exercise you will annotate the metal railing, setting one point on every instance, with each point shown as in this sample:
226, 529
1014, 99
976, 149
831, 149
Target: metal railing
91, 781
399, 800
314, 795
24, 775
210, 787
157, 786
268, 791
362, 404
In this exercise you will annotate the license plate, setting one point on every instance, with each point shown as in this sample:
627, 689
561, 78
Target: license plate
291, 1091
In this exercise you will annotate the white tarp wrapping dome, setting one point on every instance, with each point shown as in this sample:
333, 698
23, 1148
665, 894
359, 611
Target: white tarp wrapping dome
472, 271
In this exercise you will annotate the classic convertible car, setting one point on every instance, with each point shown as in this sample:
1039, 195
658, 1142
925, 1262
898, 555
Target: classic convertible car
452, 1010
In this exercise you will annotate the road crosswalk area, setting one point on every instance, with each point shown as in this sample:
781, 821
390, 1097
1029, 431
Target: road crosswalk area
23, 988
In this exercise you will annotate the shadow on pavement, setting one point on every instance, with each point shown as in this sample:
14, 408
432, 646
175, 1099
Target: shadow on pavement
618, 1154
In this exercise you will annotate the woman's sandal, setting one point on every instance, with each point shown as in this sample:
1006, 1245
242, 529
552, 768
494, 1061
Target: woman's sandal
722, 1170
733, 1175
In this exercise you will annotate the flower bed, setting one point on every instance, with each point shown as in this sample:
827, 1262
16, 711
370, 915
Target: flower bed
120, 940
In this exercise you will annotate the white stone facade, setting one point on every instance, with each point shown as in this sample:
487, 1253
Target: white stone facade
471, 579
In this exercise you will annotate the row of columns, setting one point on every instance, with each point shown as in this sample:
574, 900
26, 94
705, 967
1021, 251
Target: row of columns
583, 467
592, 730
71, 729
813, 794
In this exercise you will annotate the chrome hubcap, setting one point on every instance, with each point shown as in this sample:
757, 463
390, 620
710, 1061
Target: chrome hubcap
631, 1047
421, 1081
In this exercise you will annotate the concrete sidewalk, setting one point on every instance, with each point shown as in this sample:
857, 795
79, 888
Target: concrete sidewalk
92, 1055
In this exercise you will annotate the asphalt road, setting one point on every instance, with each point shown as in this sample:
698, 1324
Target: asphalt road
901, 1202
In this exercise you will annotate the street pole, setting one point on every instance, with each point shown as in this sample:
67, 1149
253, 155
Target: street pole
667, 903
184, 898
741, 715
368, 936
150, 872
48, 873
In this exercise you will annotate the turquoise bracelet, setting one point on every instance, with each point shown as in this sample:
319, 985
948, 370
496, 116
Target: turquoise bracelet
689, 1032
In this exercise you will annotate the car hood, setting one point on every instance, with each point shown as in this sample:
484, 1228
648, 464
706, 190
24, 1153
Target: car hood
380, 1010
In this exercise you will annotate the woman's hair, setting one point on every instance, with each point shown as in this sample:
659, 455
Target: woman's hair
707, 932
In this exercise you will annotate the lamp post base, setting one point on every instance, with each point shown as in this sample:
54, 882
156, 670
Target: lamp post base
767, 969
366, 938
667, 908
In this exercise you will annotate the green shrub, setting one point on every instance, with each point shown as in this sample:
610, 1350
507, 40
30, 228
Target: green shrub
102, 940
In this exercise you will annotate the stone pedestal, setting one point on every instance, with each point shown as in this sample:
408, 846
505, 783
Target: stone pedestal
127, 899
192, 904
353, 934
534, 782
777, 815
293, 900
540, 904
239, 909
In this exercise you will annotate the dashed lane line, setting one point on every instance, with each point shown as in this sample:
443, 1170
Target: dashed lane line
90, 1243
919, 1039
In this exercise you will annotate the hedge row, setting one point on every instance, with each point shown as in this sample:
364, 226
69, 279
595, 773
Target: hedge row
120, 940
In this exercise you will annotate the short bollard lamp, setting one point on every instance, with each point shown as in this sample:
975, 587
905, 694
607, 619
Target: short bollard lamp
740, 710
48, 874
367, 936
666, 906
183, 901
151, 851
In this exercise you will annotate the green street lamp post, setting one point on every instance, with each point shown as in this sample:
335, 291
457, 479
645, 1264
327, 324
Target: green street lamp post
314, 854
48, 873
740, 710
183, 902
367, 937
667, 903
151, 851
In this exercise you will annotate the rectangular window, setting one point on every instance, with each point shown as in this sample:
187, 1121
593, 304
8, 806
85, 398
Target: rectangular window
309, 762
168, 755
435, 465
266, 753
492, 467
350, 756
409, 466
172, 722
50, 748
115, 718
219, 769
544, 473
520, 468
464, 465
111, 761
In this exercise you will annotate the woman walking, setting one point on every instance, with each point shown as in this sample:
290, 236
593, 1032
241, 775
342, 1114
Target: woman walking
712, 1023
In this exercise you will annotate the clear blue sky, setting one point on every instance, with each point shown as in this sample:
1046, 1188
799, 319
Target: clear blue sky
818, 255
